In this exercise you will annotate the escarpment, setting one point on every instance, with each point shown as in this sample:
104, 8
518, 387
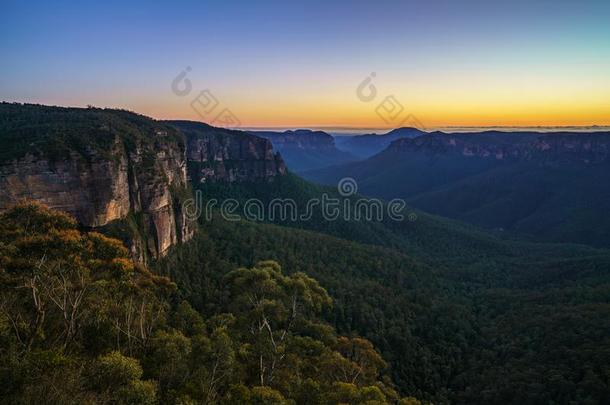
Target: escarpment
303, 139
122, 172
221, 155
101, 166
586, 148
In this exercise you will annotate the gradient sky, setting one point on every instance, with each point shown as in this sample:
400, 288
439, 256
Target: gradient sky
274, 63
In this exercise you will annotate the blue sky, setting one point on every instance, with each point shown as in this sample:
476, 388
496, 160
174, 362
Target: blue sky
281, 63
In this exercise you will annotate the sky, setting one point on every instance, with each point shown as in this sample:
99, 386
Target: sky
380, 64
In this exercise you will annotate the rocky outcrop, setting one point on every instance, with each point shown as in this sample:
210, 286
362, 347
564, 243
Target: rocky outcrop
220, 155
134, 170
121, 172
97, 190
586, 148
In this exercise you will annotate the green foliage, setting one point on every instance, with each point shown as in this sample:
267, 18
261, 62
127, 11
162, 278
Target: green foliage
80, 323
137, 392
57, 132
114, 369
452, 319
241, 394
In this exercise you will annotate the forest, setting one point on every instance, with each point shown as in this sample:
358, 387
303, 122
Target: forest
461, 316
81, 323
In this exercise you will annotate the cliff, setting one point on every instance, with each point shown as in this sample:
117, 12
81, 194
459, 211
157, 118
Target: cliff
304, 149
587, 148
222, 155
101, 166
120, 172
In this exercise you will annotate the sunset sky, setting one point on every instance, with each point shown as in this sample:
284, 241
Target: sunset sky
448, 63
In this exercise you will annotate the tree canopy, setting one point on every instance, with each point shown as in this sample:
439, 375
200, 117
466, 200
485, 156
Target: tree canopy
81, 323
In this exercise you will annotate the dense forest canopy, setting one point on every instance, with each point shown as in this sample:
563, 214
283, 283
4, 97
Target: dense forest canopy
81, 323
449, 337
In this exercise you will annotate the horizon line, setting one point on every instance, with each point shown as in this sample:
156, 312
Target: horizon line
345, 130
324, 126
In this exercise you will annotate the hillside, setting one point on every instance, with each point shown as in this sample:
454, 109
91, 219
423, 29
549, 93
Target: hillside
120, 171
431, 294
548, 186
221, 155
439, 325
81, 323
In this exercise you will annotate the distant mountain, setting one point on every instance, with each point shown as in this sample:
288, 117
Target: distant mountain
305, 150
364, 146
554, 186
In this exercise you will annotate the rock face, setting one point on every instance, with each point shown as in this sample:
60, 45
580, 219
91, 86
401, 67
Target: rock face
220, 155
128, 176
97, 190
584, 148
110, 166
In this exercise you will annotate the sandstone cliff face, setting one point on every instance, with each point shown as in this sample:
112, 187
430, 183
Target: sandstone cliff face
128, 176
584, 148
220, 155
109, 167
97, 190
94, 192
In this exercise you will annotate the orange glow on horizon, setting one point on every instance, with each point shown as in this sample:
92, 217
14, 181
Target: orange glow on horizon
431, 118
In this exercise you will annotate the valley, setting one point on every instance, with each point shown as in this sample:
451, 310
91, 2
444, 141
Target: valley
541, 185
460, 314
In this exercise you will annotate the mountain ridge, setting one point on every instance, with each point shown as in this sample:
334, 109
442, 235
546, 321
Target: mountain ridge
367, 145
305, 149
536, 184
